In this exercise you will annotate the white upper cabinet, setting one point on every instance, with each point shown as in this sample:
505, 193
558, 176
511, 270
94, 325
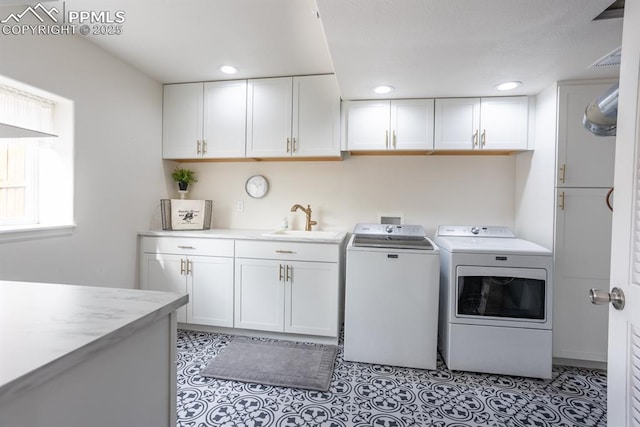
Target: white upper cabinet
316, 116
389, 125
269, 117
584, 159
482, 123
225, 119
182, 121
204, 120
293, 117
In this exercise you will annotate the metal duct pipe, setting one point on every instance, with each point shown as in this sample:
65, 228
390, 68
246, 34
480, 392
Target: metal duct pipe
601, 115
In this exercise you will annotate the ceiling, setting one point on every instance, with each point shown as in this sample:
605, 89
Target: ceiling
423, 48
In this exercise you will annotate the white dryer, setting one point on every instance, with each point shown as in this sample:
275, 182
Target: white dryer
495, 302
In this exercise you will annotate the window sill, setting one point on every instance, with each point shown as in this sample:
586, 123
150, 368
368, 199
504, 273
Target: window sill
16, 233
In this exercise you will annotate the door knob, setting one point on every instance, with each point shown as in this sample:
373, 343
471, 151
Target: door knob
615, 297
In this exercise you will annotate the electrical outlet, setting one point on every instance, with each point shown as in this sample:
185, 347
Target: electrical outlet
240, 206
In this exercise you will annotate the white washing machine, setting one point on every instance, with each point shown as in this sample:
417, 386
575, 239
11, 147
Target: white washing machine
495, 302
391, 297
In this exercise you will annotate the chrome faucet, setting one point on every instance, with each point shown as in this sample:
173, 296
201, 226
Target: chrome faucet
307, 212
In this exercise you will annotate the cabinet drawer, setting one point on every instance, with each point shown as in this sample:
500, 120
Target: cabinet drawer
287, 250
182, 245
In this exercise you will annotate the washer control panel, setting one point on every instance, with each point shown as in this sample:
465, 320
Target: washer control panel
474, 231
389, 230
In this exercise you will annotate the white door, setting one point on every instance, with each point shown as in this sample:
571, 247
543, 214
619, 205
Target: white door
457, 121
582, 262
316, 116
210, 287
259, 294
412, 124
311, 298
225, 119
269, 117
182, 121
504, 123
163, 272
623, 377
367, 125
584, 159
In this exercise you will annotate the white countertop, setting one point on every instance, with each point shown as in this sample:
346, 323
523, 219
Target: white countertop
47, 328
240, 234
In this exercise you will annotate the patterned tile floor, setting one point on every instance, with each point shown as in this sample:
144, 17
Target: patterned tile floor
373, 395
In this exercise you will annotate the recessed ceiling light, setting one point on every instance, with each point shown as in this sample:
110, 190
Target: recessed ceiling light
508, 85
383, 89
228, 69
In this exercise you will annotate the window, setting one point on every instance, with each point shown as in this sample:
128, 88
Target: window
36, 174
19, 157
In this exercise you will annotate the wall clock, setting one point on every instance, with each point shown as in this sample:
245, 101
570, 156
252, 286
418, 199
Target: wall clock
257, 186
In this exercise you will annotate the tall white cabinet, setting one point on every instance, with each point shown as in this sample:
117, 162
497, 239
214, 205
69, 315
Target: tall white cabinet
582, 246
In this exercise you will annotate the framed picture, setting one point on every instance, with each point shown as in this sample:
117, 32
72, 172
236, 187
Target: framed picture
182, 214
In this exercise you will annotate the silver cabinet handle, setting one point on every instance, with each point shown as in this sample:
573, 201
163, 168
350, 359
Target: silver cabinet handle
394, 139
484, 137
561, 203
185, 247
294, 145
386, 139
204, 147
615, 297
280, 272
280, 251
181, 266
189, 265
288, 145
198, 147
475, 139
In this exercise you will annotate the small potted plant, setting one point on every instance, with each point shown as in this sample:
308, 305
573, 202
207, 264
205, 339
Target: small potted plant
183, 177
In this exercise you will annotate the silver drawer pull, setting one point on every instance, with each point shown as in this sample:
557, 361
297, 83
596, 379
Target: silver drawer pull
285, 252
185, 247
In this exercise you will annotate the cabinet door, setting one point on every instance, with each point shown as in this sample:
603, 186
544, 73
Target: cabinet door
225, 119
259, 294
412, 124
504, 123
162, 272
456, 125
210, 286
311, 298
368, 125
182, 121
584, 159
269, 117
316, 116
582, 255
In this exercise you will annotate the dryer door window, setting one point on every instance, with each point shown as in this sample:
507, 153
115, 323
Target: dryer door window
503, 293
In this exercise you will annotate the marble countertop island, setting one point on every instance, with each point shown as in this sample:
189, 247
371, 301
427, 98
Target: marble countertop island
46, 329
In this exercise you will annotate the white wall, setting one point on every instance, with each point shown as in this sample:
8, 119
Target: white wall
535, 176
427, 190
118, 172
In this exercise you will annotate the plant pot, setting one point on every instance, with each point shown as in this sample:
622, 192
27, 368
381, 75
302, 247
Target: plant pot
183, 186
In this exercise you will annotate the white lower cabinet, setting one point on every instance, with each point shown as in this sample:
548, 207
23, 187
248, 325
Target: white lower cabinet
282, 286
282, 294
259, 295
582, 256
203, 268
